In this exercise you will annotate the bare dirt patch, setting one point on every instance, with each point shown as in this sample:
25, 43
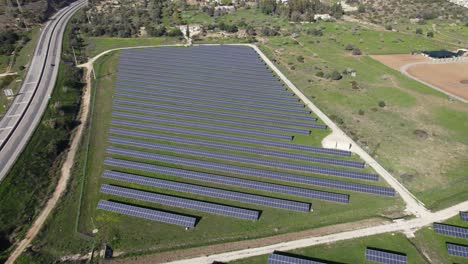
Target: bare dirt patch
450, 77
399, 60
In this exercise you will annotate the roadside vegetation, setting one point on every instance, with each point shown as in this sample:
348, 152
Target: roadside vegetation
32, 179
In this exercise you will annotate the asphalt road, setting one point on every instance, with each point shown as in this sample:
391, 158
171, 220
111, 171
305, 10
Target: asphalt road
26, 110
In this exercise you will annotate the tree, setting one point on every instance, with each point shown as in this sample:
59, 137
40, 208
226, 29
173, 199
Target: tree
361, 8
337, 10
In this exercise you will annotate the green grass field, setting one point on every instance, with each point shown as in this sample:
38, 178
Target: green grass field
352, 251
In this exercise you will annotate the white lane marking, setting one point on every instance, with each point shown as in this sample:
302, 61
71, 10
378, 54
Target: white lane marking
13, 115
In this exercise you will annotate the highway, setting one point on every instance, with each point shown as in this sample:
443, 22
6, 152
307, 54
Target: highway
28, 106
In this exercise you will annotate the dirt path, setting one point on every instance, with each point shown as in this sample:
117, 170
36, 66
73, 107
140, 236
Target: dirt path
64, 176
7, 74
226, 247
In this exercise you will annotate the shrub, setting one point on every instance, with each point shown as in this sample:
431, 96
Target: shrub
335, 75
361, 112
388, 27
357, 51
349, 47
382, 104
419, 31
430, 34
361, 8
320, 74
300, 58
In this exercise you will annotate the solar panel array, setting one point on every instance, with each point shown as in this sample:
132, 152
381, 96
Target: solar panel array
225, 122
231, 181
213, 120
151, 214
225, 146
276, 258
214, 192
451, 230
457, 250
244, 159
382, 256
193, 124
464, 216
239, 139
181, 202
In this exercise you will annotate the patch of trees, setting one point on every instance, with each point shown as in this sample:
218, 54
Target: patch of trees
300, 10
8, 41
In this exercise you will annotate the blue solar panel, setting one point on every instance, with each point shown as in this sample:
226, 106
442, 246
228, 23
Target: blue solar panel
213, 120
238, 139
382, 256
151, 214
251, 105
185, 106
450, 230
208, 92
457, 250
245, 149
231, 181
464, 216
181, 202
277, 258
287, 177
214, 113
238, 158
203, 126
207, 191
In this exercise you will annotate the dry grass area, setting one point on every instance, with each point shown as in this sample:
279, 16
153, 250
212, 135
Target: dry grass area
398, 60
451, 77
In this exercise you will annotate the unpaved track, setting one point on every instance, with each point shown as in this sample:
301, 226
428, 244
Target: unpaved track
65, 174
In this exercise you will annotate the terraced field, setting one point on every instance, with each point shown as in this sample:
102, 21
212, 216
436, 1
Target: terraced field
206, 138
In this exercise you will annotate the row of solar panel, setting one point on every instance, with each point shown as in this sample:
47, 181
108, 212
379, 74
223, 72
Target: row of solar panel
238, 61
371, 254
306, 118
231, 138
451, 230
203, 190
242, 159
248, 105
268, 99
464, 216
258, 74
225, 180
457, 250
198, 118
245, 149
199, 68
171, 106
233, 88
151, 214
251, 172
197, 125
169, 75
174, 201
